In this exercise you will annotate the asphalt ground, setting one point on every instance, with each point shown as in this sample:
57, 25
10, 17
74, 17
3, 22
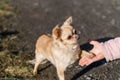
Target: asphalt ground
95, 19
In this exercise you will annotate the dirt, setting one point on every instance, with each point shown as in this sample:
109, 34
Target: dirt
96, 19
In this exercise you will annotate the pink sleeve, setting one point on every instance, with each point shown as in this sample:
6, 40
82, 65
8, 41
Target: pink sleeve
111, 49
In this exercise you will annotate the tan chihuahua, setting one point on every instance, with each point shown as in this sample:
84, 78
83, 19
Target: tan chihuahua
61, 49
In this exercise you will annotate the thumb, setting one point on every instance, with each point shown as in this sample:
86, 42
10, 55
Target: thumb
96, 47
94, 43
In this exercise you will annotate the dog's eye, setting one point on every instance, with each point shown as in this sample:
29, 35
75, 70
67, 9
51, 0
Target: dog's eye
69, 37
74, 31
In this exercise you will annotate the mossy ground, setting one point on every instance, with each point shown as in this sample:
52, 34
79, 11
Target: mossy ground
12, 66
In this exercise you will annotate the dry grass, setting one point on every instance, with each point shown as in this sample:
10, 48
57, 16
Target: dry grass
6, 10
12, 62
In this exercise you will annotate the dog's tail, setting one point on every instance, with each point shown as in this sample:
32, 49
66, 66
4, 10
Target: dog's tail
33, 61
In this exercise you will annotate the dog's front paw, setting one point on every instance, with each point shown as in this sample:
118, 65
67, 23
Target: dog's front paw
87, 54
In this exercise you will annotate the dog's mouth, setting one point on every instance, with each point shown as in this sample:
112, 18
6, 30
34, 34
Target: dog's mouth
77, 37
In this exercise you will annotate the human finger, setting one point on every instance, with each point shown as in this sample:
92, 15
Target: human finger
88, 62
83, 61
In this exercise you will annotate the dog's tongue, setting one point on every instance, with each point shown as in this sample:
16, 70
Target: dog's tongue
74, 47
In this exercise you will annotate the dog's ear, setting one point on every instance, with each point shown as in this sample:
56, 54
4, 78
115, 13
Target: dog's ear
68, 21
56, 33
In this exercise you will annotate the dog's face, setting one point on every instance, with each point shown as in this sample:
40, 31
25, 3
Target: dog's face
66, 33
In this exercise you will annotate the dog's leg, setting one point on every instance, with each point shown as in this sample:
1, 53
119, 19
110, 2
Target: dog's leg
39, 59
60, 73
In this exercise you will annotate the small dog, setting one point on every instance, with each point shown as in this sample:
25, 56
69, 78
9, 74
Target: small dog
61, 48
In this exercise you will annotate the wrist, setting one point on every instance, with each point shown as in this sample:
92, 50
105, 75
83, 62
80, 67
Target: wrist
98, 57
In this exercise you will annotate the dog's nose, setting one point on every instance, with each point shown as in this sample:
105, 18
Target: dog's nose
77, 36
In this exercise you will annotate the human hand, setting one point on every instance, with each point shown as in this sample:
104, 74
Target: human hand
98, 54
85, 61
96, 47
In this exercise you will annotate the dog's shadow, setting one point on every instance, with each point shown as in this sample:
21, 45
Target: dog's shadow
88, 47
8, 32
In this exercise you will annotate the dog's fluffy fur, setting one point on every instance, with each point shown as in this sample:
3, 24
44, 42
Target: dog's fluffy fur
61, 48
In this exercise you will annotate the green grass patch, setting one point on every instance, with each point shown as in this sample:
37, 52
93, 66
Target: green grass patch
6, 9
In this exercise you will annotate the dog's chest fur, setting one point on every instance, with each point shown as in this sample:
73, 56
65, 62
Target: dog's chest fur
64, 55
